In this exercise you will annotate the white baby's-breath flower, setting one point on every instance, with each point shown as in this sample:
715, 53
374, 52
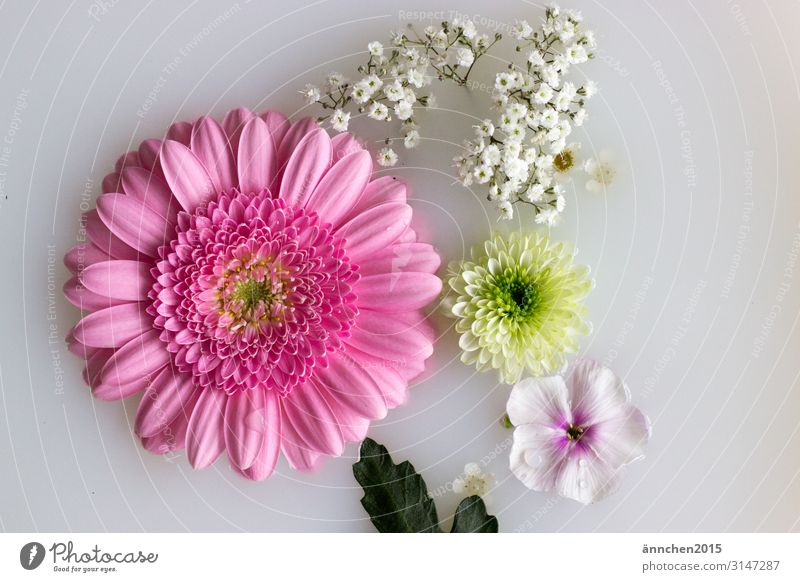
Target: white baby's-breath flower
601, 172
411, 139
311, 93
506, 210
403, 110
387, 157
464, 57
378, 111
340, 120
375, 48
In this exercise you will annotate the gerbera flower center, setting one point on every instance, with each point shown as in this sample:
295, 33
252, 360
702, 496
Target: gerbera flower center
254, 293
575, 432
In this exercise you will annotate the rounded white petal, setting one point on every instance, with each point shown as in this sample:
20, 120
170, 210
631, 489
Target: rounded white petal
540, 401
596, 393
621, 439
536, 456
587, 478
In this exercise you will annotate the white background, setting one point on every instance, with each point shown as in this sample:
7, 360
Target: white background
694, 251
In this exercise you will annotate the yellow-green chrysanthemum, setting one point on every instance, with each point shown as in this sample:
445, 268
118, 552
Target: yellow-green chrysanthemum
519, 305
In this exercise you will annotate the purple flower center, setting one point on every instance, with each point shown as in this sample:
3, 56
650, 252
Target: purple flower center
575, 432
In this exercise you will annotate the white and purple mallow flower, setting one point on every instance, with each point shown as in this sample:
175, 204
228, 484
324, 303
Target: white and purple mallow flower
575, 437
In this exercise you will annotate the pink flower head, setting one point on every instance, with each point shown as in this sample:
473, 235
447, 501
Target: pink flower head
575, 437
260, 287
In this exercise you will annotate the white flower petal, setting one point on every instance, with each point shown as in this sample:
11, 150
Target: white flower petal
536, 456
539, 400
621, 439
587, 478
596, 393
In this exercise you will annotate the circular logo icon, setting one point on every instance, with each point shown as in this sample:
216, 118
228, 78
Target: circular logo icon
31, 555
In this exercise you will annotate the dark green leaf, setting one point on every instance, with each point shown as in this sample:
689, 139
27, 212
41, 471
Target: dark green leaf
395, 496
471, 517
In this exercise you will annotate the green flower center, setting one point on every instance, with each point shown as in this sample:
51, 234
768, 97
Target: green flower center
574, 433
252, 293
518, 294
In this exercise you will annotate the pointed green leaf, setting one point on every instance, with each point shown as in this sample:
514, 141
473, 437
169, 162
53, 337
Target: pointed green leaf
471, 517
395, 496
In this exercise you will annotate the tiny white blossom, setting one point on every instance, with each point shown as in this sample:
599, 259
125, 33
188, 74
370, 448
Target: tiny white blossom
415, 77
473, 482
339, 120
505, 209
491, 155
601, 172
535, 58
485, 129
361, 92
589, 89
504, 82
535, 193
482, 173
394, 91
375, 48
378, 111
543, 94
403, 110
579, 117
411, 139
311, 93
468, 29
521, 29
387, 157
576, 54
464, 57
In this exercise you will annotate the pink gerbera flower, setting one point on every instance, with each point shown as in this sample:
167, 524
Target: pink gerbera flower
259, 286
575, 437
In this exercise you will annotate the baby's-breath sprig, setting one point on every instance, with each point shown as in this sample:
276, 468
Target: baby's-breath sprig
523, 155
393, 76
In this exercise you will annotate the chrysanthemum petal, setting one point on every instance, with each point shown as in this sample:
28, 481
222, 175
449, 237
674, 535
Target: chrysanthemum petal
210, 145
347, 178
257, 158
539, 401
113, 327
118, 279
309, 162
186, 175
133, 222
181, 132
205, 438
245, 426
171, 393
